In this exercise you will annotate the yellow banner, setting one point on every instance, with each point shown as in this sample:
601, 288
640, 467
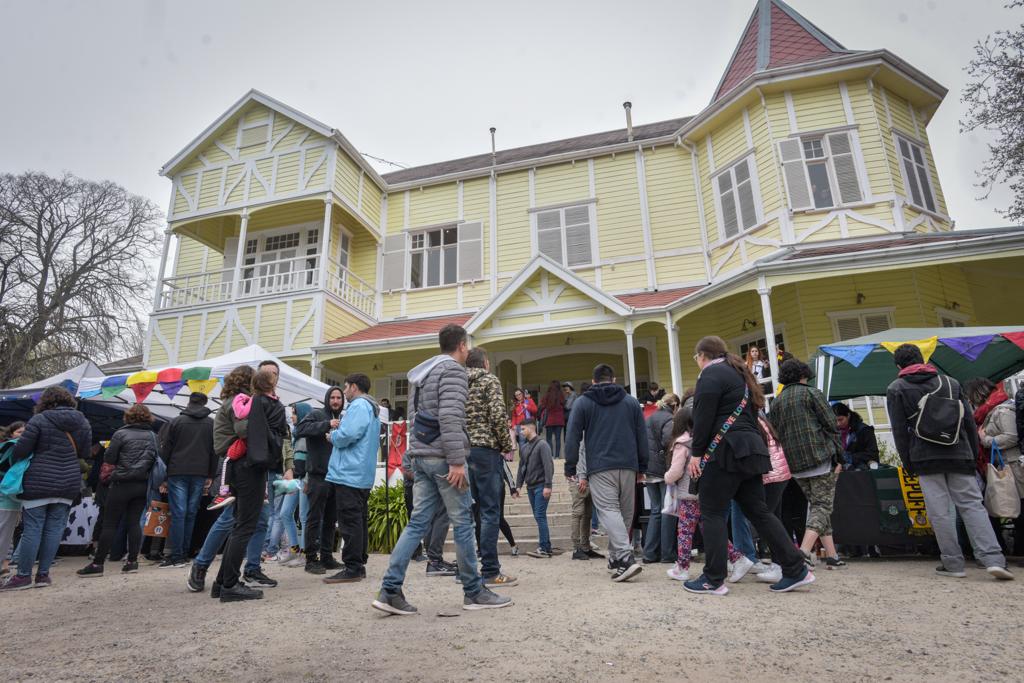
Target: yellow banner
913, 498
927, 346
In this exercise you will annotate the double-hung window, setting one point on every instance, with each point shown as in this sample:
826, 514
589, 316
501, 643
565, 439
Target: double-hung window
738, 198
852, 324
915, 173
437, 256
820, 170
563, 235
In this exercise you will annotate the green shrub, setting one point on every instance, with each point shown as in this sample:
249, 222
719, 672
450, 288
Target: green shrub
386, 517
887, 455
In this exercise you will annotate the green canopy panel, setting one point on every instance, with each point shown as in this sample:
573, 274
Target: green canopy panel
840, 379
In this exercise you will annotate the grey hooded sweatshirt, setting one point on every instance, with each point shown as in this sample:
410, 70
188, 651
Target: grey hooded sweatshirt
442, 385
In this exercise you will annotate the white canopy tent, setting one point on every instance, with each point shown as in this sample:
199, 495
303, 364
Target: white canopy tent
74, 376
293, 385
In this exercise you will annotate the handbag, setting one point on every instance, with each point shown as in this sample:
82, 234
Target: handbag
12, 484
425, 426
106, 469
158, 519
1001, 499
729, 421
671, 505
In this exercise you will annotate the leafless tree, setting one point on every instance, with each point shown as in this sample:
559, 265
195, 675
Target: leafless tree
74, 271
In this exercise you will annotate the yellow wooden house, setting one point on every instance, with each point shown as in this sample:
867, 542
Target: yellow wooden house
801, 206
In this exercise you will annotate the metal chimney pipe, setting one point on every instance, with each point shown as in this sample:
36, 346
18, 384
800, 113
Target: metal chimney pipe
494, 151
628, 106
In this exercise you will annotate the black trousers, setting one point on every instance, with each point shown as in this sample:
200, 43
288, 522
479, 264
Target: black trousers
321, 518
353, 524
250, 486
717, 488
124, 499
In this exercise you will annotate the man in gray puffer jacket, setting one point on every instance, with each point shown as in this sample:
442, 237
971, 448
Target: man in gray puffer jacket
438, 447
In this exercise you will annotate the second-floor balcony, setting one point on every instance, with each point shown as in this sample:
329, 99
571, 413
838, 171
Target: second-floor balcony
280, 276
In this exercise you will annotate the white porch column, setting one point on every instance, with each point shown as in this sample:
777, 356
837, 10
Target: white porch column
315, 369
769, 328
325, 241
243, 234
673, 355
519, 372
162, 270
631, 359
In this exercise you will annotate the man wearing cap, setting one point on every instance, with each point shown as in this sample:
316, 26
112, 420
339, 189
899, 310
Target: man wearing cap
191, 463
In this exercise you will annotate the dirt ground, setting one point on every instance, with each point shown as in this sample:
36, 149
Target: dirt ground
879, 620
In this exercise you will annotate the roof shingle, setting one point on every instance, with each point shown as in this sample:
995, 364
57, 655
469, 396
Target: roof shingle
397, 329
657, 299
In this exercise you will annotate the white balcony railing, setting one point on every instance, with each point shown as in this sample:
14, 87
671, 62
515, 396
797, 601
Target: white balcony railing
260, 279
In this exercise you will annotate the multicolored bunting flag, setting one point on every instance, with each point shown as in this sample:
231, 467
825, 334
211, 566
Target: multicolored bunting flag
927, 346
195, 373
171, 389
203, 386
112, 386
1014, 337
854, 355
968, 347
142, 377
142, 390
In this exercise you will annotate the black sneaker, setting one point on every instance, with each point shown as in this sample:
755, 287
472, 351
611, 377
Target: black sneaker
328, 561
441, 568
258, 578
239, 592
626, 570
91, 569
580, 555
196, 579
393, 603
346, 575
315, 567
130, 568
454, 566
215, 590
173, 562
594, 555
834, 563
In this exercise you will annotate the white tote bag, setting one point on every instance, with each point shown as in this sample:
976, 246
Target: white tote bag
671, 505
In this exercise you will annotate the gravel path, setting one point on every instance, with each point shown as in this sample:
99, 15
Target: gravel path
882, 620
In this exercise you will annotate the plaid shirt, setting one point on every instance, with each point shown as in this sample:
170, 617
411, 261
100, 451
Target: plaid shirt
806, 427
486, 419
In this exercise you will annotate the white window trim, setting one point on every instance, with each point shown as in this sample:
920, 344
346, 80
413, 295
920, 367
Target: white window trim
342, 230
942, 312
411, 232
908, 195
834, 317
591, 204
866, 194
755, 186
243, 126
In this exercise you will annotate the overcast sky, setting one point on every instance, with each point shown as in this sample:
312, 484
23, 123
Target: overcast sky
112, 90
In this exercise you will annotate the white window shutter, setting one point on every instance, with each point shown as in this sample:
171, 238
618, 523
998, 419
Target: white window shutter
394, 262
549, 243
878, 322
795, 173
848, 328
577, 245
845, 168
471, 252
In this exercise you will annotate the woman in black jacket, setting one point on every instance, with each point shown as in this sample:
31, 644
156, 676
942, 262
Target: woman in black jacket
126, 466
55, 438
738, 459
660, 534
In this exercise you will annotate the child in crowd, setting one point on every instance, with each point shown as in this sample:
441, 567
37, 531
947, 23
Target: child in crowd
240, 405
536, 470
689, 508
10, 506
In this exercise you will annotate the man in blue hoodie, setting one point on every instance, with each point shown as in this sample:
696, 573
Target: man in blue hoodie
352, 468
612, 423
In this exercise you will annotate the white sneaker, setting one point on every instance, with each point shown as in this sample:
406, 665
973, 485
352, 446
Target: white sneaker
298, 561
739, 569
772, 573
286, 555
677, 573
1001, 573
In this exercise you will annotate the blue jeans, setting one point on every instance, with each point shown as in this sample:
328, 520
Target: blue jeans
220, 531
660, 534
742, 539
272, 540
485, 475
540, 513
431, 489
285, 521
42, 531
554, 439
183, 494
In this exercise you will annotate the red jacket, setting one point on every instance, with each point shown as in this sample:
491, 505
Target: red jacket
555, 412
523, 410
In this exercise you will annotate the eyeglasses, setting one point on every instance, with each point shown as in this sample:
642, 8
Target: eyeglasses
696, 357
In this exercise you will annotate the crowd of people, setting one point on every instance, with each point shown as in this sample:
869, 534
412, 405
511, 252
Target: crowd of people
714, 461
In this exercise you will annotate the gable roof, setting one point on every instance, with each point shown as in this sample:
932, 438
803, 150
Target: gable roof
658, 299
280, 107
776, 35
401, 329
577, 144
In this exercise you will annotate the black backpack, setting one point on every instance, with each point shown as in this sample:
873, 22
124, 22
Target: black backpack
939, 415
